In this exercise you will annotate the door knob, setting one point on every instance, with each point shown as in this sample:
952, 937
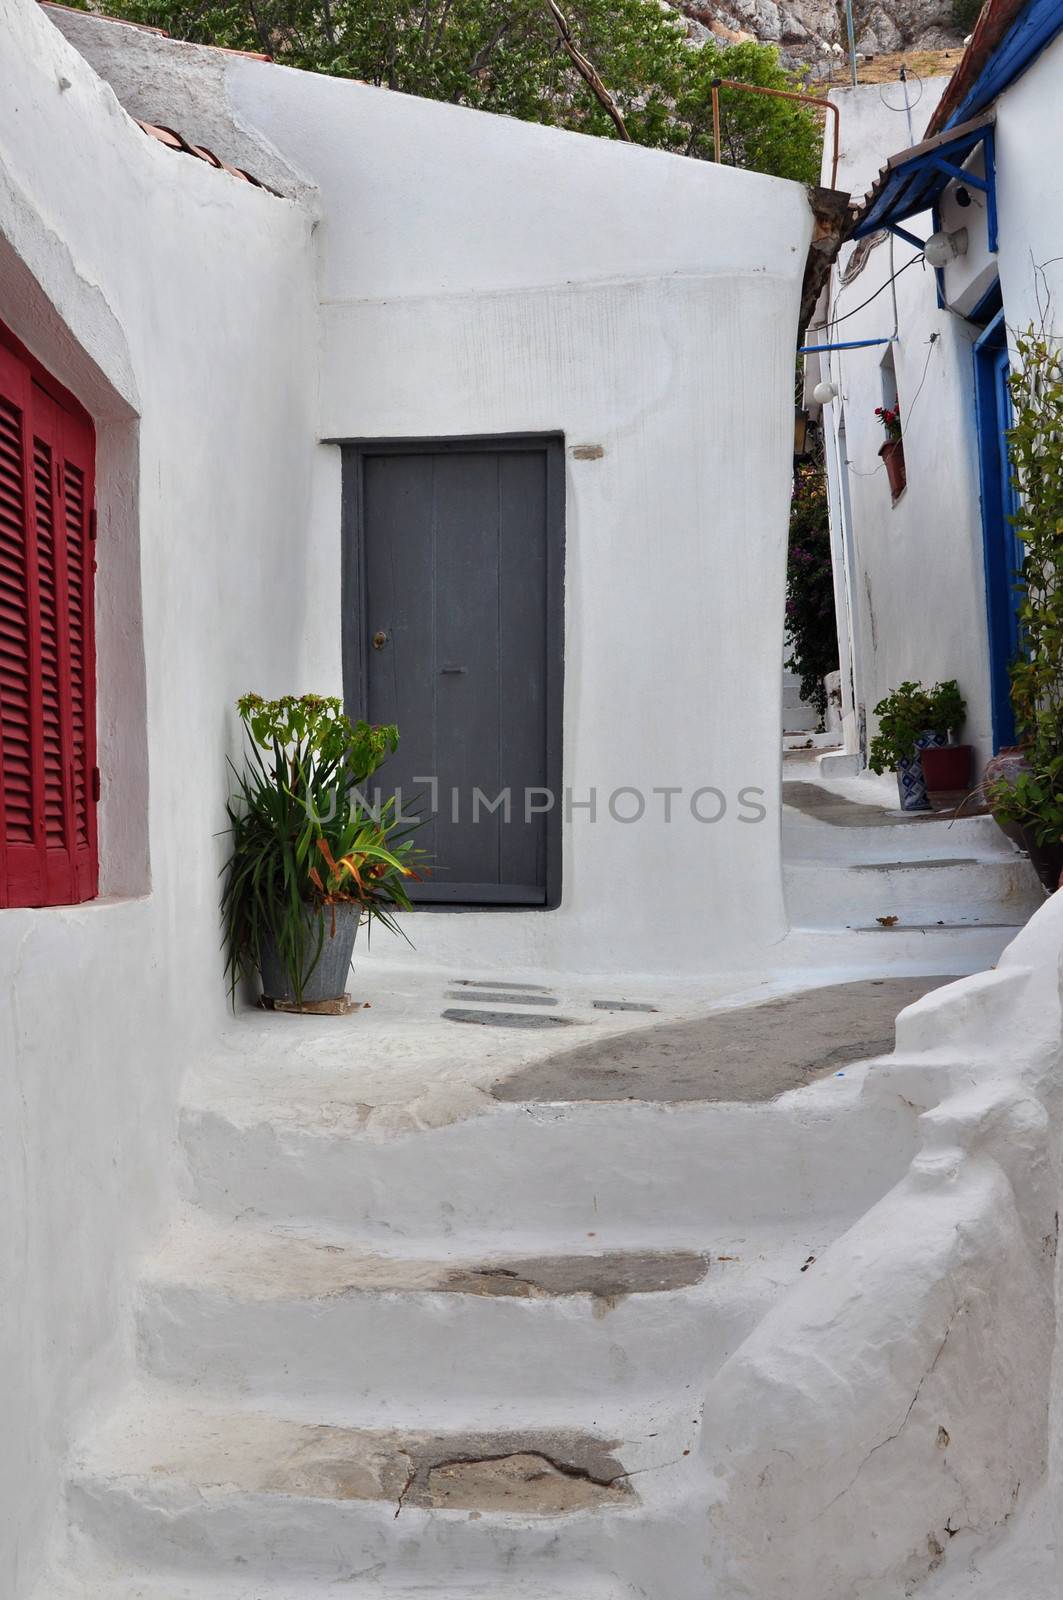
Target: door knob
380, 639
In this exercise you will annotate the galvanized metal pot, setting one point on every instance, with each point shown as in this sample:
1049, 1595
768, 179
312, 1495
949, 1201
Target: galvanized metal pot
325, 978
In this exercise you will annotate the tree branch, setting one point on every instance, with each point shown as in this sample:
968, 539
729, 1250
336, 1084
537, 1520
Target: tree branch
586, 69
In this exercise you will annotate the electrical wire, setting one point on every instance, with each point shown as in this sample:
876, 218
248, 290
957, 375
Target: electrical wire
913, 77
880, 290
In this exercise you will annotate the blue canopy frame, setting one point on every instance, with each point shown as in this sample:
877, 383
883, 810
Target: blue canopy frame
914, 181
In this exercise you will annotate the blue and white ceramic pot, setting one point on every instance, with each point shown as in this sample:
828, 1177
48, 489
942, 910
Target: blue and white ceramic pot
911, 784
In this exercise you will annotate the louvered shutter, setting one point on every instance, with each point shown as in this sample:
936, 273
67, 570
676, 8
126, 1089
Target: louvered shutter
48, 853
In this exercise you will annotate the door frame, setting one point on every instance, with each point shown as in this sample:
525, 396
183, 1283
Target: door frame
1001, 548
353, 606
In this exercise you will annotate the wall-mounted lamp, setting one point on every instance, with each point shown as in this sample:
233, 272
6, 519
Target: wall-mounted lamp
825, 392
943, 247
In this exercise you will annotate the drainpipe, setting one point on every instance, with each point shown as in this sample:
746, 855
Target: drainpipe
778, 94
852, 39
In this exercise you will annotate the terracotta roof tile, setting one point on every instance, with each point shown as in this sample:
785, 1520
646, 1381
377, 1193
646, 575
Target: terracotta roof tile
993, 23
177, 141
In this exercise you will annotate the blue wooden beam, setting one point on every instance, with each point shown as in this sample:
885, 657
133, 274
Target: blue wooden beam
909, 238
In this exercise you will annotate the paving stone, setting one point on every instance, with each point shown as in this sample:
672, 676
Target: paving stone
750, 1054
498, 983
622, 1005
491, 997
508, 1019
815, 801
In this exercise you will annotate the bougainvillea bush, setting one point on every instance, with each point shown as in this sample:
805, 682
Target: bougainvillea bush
810, 619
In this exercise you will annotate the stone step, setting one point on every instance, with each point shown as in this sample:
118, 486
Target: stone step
623, 1173
960, 891
94, 1579
355, 1333
791, 693
820, 826
800, 719
229, 1492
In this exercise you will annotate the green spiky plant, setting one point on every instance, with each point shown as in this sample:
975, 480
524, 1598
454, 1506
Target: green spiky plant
302, 840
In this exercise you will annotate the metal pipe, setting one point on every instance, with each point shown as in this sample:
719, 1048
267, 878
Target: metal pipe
778, 94
852, 344
907, 104
851, 29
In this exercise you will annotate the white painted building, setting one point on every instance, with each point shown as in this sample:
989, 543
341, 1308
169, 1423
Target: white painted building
923, 580
420, 271
203, 1419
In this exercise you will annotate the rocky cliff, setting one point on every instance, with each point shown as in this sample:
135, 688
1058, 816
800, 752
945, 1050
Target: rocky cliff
812, 33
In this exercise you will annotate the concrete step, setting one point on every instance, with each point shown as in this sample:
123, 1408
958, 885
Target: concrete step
298, 1319
627, 1175
801, 719
836, 830
960, 891
95, 1579
230, 1492
810, 740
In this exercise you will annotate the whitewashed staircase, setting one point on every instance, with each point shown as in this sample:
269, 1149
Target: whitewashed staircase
504, 1357
467, 1361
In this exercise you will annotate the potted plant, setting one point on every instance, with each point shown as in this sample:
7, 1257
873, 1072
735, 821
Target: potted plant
1024, 784
913, 720
307, 857
892, 452
1030, 800
947, 767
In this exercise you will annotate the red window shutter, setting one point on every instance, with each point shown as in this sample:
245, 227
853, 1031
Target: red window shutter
48, 853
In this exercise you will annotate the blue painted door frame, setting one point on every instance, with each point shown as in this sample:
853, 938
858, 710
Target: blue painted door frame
1002, 548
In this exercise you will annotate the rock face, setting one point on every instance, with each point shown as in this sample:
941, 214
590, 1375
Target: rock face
813, 32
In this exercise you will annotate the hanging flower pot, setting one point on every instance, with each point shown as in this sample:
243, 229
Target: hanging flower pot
892, 453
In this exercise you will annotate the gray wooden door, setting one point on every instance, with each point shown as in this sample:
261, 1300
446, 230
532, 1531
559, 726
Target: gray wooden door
453, 629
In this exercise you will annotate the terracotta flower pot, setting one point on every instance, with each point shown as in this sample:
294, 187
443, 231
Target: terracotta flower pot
947, 773
1047, 861
892, 453
1006, 764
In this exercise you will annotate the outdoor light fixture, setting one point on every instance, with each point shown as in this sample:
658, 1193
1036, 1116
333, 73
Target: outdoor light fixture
943, 247
824, 393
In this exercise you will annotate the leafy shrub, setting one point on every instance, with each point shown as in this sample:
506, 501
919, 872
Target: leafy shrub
907, 713
965, 14
810, 618
504, 56
1035, 447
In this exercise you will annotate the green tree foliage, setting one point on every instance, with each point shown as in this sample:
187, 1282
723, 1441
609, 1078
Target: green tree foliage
965, 14
1035, 446
505, 56
810, 619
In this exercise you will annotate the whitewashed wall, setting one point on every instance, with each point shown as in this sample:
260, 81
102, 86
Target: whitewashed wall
916, 584
159, 289
1029, 125
487, 276
473, 276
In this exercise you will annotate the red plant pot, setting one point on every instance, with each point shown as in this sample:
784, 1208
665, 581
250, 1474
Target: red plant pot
892, 453
947, 770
